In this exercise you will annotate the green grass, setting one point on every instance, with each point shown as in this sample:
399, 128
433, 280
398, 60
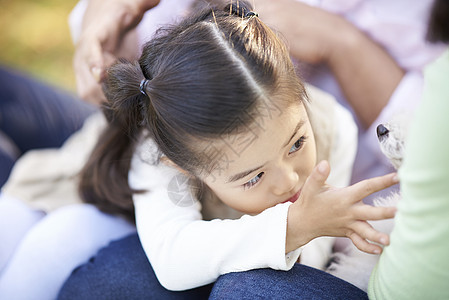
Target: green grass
35, 38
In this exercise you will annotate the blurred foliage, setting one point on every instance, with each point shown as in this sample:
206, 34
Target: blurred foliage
35, 38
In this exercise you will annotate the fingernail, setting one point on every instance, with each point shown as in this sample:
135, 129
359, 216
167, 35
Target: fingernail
377, 251
322, 167
396, 178
96, 73
383, 241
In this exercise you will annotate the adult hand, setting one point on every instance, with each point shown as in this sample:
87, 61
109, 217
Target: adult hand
322, 210
107, 34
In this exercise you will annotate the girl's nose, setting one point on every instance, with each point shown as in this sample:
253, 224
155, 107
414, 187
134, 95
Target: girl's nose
285, 181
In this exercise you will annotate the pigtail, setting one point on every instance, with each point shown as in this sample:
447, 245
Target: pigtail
126, 101
104, 179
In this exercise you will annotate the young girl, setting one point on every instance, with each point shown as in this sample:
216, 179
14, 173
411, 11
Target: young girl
219, 97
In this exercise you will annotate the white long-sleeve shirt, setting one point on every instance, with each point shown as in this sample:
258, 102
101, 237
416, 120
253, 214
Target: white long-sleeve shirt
186, 251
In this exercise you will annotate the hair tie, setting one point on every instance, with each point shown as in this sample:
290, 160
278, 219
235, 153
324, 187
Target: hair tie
251, 14
143, 86
240, 11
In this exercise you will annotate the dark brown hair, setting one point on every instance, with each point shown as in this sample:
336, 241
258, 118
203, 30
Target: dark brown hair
438, 29
213, 68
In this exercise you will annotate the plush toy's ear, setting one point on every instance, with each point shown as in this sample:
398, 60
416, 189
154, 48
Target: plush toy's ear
168, 162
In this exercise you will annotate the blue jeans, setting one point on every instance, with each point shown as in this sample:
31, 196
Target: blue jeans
122, 271
34, 115
301, 282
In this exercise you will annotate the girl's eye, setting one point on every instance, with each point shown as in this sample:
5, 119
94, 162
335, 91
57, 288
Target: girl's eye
297, 145
252, 182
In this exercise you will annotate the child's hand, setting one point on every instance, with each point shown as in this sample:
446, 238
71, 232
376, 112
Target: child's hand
322, 210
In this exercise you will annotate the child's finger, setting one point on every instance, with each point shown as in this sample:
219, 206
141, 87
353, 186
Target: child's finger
366, 187
364, 245
317, 178
367, 232
372, 213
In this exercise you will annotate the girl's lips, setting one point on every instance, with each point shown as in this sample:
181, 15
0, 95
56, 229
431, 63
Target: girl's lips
293, 198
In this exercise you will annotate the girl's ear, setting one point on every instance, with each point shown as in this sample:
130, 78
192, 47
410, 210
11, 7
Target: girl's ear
170, 163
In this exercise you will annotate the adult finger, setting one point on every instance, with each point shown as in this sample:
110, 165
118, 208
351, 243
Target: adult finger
146, 5
89, 69
367, 187
87, 87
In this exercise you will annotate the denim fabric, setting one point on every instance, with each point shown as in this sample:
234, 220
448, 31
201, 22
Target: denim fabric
301, 282
121, 271
34, 115
6, 164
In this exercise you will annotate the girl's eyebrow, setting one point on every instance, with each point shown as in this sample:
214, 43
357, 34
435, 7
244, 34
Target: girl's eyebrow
298, 126
243, 174
246, 173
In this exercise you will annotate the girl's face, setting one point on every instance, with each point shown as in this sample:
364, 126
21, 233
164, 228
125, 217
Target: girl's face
267, 164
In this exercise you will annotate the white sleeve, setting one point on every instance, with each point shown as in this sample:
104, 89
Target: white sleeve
187, 252
344, 147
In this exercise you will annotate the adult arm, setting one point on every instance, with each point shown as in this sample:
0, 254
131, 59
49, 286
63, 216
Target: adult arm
415, 264
367, 74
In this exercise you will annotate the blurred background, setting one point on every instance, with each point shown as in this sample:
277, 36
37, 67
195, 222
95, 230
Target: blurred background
35, 38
